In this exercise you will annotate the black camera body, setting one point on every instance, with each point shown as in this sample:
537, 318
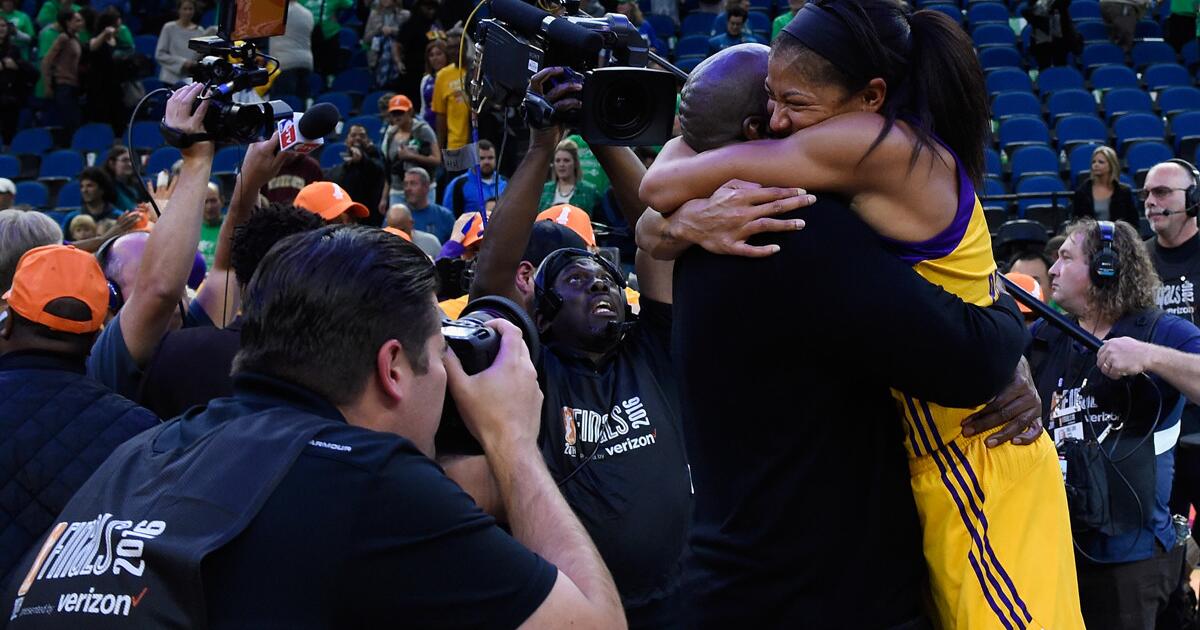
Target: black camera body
624, 102
228, 68
476, 347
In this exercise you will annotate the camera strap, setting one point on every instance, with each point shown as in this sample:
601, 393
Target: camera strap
539, 113
179, 139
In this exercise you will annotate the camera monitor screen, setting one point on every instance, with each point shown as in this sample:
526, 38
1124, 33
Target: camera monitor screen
251, 19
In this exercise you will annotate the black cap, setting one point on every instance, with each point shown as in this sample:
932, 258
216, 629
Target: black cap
548, 236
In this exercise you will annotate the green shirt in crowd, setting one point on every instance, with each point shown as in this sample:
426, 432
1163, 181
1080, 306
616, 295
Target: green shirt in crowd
590, 166
585, 196
329, 20
780, 22
208, 242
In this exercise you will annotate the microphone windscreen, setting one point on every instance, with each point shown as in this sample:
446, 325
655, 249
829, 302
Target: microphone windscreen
319, 121
571, 36
526, 18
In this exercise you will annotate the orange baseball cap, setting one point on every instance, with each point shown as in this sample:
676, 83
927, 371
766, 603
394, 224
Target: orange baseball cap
329, 201
398, 232
1031, 286
399, 103
473, 231
573, 217
50, 272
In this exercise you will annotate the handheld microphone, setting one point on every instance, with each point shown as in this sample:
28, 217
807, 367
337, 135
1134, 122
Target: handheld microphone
305, 133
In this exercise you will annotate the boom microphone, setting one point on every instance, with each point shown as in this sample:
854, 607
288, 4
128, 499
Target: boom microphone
305, 133
1052, 317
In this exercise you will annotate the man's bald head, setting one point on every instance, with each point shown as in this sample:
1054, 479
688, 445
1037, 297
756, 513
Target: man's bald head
123, 260
400, 217
724, 100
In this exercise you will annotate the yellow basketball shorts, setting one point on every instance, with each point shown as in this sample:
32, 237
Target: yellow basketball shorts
997, 537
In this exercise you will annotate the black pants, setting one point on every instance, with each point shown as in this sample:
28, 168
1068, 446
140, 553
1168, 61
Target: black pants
66, 105
1180, 29
1185, 490
1127, 595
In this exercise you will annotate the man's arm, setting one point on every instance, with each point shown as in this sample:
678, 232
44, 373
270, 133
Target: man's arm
1125, 356
501, 406
220, 296
171, 248
443, 129
124, 224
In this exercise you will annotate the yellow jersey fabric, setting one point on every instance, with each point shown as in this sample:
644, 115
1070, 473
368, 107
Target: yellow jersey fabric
450, 101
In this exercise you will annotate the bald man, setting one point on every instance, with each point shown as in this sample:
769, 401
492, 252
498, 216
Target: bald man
400, 217
724, 101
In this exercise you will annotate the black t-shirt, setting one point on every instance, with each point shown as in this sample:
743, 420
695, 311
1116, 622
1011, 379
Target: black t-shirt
794, 441
365, 531
634, 495
190, 367
1179, 270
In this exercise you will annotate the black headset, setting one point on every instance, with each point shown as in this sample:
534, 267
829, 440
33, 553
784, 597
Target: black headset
1105, 263
546, 300
1191, 196
115, 299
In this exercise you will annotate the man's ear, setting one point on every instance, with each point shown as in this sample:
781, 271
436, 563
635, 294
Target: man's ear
392, 371
754, 128
524, 279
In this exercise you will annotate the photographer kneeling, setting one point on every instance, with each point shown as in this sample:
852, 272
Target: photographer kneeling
309, 498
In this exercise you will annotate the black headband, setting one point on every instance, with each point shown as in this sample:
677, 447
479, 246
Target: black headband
824, 33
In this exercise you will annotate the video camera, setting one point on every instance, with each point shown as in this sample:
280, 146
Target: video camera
476, 347
624, 102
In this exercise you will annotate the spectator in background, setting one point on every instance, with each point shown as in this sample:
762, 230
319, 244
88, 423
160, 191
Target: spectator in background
18, 18
436, 58
784, 18
299, 170
210, 226
1052, 34
108, 68
97, 193
428, 217
1180, 26
68, 424
400, 217
735, 31
470, 191
48, 14
8, 190
1033, 263
330, 202
81, 228
1122, 17
119, 168
421, 28
382, 36
631, 10
324, 44
17, 78
60, 69
19, 233
175, 59
294, 51
361, 171
566, 183
407, 143
1102, 196
450, 101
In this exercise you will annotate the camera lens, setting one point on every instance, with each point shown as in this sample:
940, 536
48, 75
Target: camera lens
624, 109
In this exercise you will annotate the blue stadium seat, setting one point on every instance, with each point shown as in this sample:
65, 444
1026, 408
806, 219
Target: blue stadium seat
33, 194
1085, 10
1023, 130
1148, 53
353, 80
146, 136
35, 141
1114, 76
10, 167
348, 39
1008, 104
1172, 101
664, 25
1100, 54
1079, 160
370, 102
92, 137
1008, 80
1068, 102
1059, 78
146, 44
61, 165
1040, 184
687, 64
1186, 128
331, 154
987, 12
68, 196
1145, 155
986, 35
162, 159
1092, 31
991, 162
1079, 129
697, 24
757, 22
1122, 101
373, 125
993, 186
1033, 160
1137, 127
691, 45
1161, 76
949, 10
1148, 29
341, 100
999, 57
292, 101
1190, 53
227, 160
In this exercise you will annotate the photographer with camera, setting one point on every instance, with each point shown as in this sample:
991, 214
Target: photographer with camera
1116, 434
611, 431
329, 437
361, 171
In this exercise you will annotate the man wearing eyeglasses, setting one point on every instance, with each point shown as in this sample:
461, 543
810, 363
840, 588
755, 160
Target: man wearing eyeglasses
1170, 199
